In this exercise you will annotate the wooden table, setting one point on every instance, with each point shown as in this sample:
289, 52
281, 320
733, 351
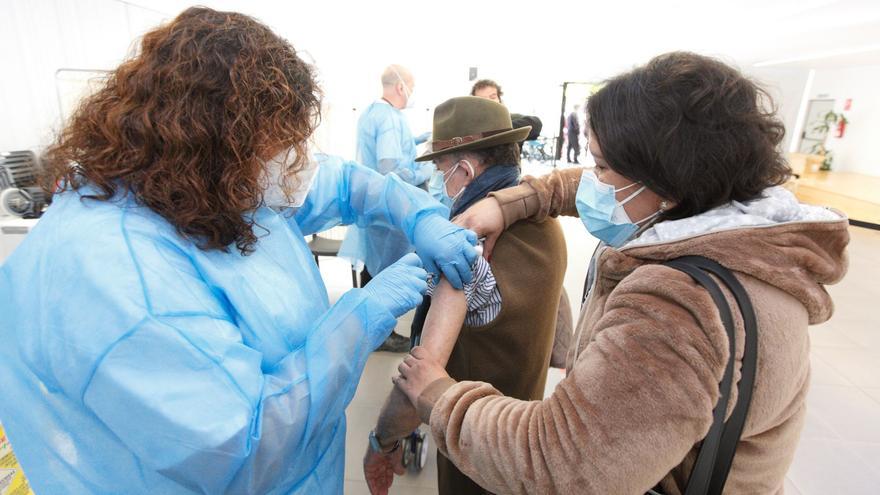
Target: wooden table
857, 195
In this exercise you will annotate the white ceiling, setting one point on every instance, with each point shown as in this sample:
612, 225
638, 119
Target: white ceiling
571, 40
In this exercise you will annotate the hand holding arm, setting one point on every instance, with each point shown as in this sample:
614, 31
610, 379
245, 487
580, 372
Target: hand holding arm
447, 248
535, 199
609, 407
418, 371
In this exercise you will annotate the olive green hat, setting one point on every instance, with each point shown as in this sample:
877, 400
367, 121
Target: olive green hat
471, 123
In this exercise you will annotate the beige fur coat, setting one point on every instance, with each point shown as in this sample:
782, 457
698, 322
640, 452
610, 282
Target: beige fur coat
644, 369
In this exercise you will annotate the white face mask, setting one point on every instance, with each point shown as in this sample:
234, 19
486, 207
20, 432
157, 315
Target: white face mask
410, 93
274, 195
410, 99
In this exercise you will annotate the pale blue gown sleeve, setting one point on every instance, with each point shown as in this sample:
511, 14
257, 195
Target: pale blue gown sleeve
347, 193
196, 404
389, 150
395, 152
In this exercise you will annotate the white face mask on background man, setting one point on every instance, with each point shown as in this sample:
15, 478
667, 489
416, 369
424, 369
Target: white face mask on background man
409, 92
274, 195
410, 96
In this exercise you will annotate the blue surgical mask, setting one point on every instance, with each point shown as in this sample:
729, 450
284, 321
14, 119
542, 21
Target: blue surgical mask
437, 188
437, 184
604, 217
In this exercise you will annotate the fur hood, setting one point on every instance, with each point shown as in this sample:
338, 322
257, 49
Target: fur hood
795, 247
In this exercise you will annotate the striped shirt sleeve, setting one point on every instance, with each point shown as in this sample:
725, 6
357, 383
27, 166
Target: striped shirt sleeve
482, 295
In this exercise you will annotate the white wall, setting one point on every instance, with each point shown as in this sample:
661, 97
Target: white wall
859, 149
786, 86
39, 37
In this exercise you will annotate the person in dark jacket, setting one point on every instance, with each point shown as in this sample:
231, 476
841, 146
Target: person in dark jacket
487, 88
500, 329
573, 126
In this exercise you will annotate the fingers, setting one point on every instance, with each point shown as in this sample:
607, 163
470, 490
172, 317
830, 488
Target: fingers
414, 271
421, 286
406, 366
470, 254
471, 237
464, 266
431, 267
489, 245
417, 278
419, 352
411, 259
451, 272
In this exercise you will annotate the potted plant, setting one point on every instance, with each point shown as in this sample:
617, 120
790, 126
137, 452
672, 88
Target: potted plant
830, 119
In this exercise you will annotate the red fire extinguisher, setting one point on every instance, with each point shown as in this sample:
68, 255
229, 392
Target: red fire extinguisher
841, 127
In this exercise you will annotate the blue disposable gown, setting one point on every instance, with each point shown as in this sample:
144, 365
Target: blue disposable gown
385, 144
133, 362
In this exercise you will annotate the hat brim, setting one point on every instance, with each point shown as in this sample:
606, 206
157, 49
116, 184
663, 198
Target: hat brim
511, 136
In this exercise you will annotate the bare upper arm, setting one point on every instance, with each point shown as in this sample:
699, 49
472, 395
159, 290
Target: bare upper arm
444, 320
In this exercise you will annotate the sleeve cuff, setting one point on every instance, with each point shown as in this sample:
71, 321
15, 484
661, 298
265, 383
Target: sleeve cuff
431, 395
517, 203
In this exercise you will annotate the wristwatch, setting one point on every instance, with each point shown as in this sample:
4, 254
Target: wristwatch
375, 446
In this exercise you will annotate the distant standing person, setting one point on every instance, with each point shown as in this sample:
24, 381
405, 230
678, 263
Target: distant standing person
574, 132
491, 90
386, 145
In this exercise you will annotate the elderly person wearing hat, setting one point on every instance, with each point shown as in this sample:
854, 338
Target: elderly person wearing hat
500, 328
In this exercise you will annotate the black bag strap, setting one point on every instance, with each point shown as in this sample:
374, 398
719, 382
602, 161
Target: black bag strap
719, 447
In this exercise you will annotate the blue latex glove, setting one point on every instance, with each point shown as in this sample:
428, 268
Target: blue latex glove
444, 246
400, 287
421, 138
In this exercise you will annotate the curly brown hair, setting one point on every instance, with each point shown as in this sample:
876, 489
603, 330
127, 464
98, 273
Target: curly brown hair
187, 124
692, 129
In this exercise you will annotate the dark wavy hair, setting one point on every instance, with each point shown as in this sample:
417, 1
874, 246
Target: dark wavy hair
692, 129
487, 83
187, 123
502, 154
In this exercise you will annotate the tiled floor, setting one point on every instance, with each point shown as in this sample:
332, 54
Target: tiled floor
839, 452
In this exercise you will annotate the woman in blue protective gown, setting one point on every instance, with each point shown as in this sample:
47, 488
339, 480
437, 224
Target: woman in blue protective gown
164, 327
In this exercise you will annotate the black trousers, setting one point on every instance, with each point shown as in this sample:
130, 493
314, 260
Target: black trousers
574, 143
365, 277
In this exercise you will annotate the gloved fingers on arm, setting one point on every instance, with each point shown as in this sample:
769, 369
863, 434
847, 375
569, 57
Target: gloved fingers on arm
399, 288
451, 272
431, 269
471, 236
411, 259
471, 255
